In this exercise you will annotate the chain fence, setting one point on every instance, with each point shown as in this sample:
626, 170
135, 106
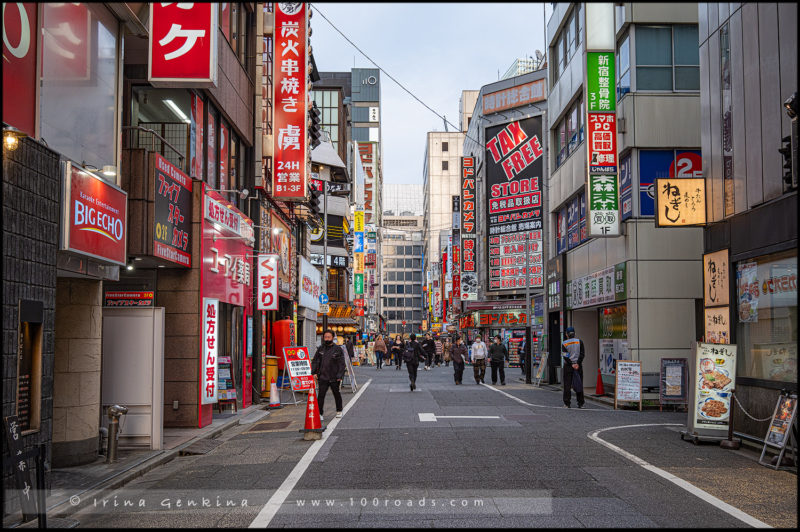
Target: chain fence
748, 414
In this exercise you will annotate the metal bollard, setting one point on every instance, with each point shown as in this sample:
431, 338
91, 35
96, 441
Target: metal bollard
114, 413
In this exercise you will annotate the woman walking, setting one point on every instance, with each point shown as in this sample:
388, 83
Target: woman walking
447, 349
380, 351
397, 351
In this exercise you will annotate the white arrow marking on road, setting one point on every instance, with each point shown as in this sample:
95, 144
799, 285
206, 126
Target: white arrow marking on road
426, 416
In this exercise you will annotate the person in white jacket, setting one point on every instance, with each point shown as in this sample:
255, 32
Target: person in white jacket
479, 352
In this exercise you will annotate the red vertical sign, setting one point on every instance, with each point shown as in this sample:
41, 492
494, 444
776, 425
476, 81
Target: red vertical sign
183, 44
19, 66
291, 101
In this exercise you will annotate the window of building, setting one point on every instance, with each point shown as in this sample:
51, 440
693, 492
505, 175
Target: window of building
569, 132
401, 289
444, 146
445, 165
667, 58
578, 24
569, 35
624, 67
766, 330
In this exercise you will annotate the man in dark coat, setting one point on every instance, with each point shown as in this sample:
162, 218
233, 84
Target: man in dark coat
429, 348
459, 355
412, 356
328, 367
573, 353
498, 354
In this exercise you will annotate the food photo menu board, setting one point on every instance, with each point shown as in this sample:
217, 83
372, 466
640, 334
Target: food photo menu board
714, 382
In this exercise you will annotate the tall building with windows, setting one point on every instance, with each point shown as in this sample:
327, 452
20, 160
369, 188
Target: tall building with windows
402, 199
520, 66
748, 74
401, 290
657, 272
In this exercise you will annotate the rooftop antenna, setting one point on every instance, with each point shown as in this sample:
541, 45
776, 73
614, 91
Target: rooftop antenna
444, 118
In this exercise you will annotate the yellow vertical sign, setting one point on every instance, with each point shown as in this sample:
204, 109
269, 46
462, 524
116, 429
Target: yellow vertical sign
359, 221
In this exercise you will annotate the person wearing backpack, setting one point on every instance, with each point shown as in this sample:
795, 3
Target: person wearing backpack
429, 349
412, 356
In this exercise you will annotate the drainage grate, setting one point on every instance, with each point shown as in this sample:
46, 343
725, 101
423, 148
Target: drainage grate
275, 425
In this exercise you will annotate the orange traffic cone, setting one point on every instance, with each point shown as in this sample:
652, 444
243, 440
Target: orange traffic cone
274, 398
313, 427
599, 390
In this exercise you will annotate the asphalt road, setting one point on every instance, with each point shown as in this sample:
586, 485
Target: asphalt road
517, 459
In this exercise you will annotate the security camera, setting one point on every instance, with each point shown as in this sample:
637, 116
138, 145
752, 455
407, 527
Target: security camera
243, 194
791, 106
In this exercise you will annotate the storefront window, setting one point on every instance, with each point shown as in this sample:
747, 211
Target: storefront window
766, 329
79, 81
612, 330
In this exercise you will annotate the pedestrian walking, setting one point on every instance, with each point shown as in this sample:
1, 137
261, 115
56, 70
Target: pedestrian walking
522, 354
351, 350
479, 353
412, 356
458, 353
446, 352
328, 367
397, 351
439, 348
498, 354
573, 353
429, 349
380, 350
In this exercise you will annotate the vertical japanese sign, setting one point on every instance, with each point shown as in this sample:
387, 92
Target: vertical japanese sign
268, 282
469, 243
514, 204
291, 102
680, 202
20, 31
358, 252
716, 297
601, 145
603, 205
172, 238
715, 379
182, 48
208, 376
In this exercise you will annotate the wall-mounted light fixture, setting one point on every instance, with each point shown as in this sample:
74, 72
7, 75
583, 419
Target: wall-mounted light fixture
11, 136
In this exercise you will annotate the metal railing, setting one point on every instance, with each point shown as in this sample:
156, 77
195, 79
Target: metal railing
154, 136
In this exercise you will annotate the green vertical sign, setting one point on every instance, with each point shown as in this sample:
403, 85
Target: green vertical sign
600, 82
603, 200
358, 281
620, 281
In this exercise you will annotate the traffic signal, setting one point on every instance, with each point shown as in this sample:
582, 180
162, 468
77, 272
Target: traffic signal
314, 125
786, 151
315, 200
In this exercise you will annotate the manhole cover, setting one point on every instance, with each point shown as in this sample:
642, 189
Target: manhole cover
275, 425
200, 447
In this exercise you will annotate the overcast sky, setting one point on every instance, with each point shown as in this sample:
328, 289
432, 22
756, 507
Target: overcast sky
435, 51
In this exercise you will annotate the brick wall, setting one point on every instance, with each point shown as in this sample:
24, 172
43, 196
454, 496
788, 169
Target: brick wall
31, 208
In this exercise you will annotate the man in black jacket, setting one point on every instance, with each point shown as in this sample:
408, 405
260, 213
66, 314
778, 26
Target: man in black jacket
412, 356
498, 354
428, 348
459, 354
328, 367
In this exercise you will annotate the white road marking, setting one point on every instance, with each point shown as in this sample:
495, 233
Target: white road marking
691, 488
517, 399
427, 416
269, 510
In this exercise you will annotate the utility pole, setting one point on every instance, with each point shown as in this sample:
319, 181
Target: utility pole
325, 250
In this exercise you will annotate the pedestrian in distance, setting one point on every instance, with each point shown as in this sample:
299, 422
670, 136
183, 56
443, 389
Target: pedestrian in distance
380, 351
498, 354
439, 348
397, 351
447, 349
429, 348
573, 354
328, 367
522, 354
412, 356
479, 353
458, 353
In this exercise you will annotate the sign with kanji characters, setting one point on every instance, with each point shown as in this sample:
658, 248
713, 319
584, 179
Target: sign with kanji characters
514, 205
358, 242
268, 282
515, 96
209, 318
182, 47
358, 283
602, 137
299, 366
717, 325
172, 235
714, 379
290, 151
358, 222
603, 215
469, 231
680, 202
716, 283
600, 82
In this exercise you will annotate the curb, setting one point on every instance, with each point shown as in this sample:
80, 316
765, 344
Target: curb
67, 507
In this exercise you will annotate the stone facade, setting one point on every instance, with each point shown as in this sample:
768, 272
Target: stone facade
31, 177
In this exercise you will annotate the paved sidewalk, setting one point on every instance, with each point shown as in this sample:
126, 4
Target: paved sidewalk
70, 487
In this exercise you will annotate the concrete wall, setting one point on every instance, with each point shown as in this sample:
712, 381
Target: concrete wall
78, 362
